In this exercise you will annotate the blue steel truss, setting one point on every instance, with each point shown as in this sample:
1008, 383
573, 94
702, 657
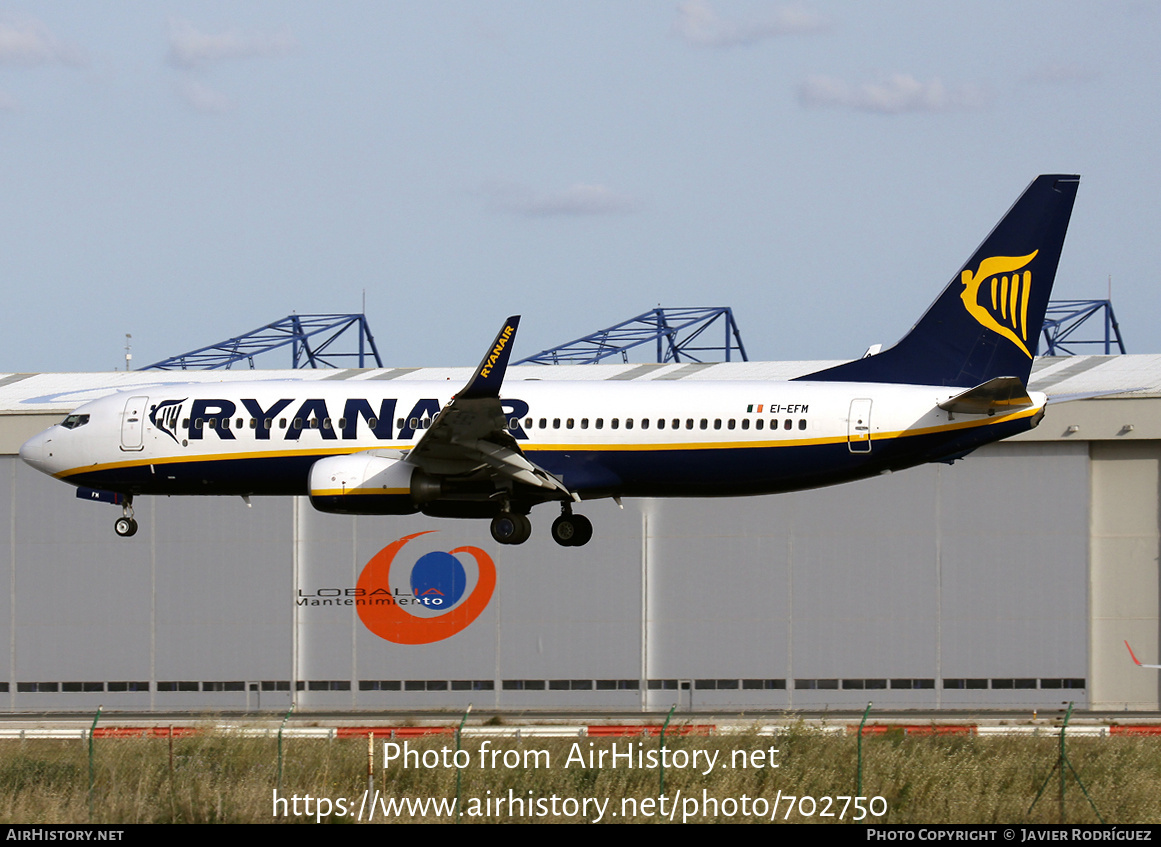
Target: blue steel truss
679, 335
312, 339
1064, 317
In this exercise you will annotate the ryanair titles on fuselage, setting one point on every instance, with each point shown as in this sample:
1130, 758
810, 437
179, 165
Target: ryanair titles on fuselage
289, 418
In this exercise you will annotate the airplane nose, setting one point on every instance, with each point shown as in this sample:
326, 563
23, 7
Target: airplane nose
35, 452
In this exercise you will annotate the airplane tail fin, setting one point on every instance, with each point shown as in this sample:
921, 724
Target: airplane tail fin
987, 322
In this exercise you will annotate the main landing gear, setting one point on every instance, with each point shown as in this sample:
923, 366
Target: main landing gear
571, 530
568, 530
125, 526
508, 528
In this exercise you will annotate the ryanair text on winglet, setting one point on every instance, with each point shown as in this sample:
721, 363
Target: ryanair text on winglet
496, 351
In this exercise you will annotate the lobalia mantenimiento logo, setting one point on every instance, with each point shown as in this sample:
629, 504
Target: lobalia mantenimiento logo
438, 582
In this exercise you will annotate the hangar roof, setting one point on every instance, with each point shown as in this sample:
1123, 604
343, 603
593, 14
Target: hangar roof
1135, 375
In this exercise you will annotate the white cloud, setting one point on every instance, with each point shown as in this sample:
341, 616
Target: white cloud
203, 98
698, 24
890, 95
28, 42
191, 48
577, 199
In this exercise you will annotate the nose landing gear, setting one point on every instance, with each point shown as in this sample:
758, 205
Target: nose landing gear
125, 526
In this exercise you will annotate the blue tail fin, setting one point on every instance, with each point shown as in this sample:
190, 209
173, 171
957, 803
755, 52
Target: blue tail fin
987, 322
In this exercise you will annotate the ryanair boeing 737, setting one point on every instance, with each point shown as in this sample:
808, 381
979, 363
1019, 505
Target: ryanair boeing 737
956, 381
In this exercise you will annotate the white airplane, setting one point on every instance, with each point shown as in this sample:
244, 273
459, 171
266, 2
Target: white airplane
956, 381
1137, 661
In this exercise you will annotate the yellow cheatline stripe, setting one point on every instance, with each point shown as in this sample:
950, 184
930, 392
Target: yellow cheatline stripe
345, 492
565, 448
224, 457
789, 442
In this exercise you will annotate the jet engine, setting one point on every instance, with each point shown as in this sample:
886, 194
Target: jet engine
368, 484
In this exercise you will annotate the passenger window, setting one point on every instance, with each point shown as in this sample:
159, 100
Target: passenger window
628, 423
414, 423
399, 423
730, 423
342, 423
544, 423
253, 423
570, 423
704, 423
198, 423
745, 423
528, 423
758, 424
313, 423
600, 423
677, 423
787, 424
802, 424
374, 423
282, 423
185, 423
689, 423
717, 423
615, 422
556, 423
326, 423
584, 423
644, 423
266, 424
298, 423
225, 423
661, 423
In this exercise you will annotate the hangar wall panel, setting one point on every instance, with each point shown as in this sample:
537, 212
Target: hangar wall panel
1126, 549
824, 598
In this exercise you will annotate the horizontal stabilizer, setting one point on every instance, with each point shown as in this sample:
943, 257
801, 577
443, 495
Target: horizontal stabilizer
1002, 394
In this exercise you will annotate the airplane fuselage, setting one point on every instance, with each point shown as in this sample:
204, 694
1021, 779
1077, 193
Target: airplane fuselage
599, 439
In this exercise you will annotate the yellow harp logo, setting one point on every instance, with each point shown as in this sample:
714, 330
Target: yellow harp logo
1009, 290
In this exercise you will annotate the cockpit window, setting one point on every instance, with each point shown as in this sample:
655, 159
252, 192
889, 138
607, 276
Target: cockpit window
73, 421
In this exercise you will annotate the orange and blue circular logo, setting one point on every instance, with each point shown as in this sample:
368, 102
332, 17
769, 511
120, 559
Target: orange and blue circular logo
439, 603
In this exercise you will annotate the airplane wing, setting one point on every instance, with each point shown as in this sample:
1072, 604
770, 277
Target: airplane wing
471, 434
1137, 661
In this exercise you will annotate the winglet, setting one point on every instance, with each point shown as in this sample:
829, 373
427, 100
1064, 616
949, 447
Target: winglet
489, 376
1136, 661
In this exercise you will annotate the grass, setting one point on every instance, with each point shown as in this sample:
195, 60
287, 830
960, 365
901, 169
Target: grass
927, 779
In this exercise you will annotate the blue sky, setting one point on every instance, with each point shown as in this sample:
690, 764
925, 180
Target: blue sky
186, 171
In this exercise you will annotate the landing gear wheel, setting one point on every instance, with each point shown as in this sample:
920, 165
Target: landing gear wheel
125, 527
508, 528
572, 530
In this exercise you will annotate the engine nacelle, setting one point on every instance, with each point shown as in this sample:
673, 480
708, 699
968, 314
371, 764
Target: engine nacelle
363, 484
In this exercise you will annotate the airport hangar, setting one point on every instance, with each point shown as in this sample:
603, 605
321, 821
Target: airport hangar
1007, 580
